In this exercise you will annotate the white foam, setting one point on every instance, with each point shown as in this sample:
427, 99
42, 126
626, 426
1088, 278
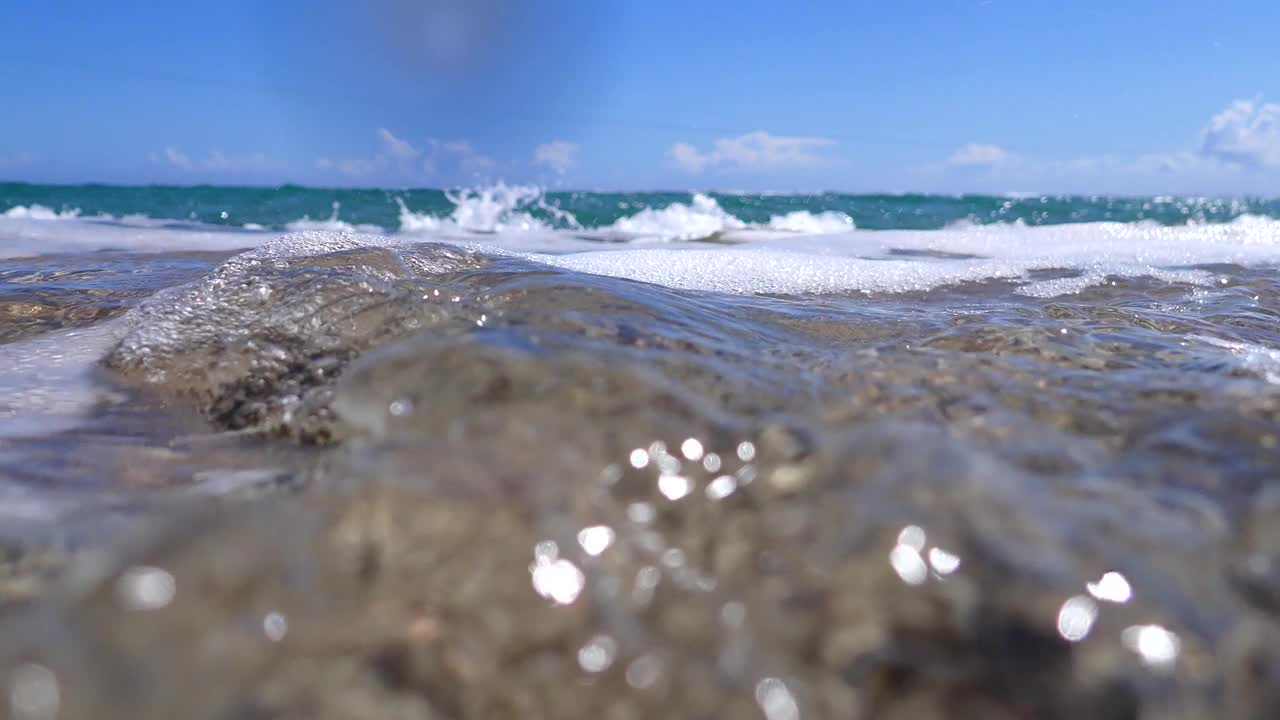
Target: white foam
46, 384
503, 208
803, 221
772, 261
800, 252
332, 224
907, 260
1259, 359
23, 235
761, 261
494, 209
39, 212
701, 218
412, 222
306, 224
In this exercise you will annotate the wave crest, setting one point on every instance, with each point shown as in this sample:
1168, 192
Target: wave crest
39, 212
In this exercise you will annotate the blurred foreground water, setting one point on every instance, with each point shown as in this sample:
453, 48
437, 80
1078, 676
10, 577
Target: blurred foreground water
341, 477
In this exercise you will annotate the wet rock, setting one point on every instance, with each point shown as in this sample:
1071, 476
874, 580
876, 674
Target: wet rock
256, 344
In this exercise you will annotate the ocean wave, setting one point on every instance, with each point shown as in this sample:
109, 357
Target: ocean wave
39, 212
615, 217
701, 218
760, 259
493, 209
517, 208
330, 224
796, 251
803, 221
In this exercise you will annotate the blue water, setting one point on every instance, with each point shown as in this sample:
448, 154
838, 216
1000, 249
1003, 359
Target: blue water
390, 210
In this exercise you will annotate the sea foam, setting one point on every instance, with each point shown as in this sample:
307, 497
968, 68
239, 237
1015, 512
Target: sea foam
494, 209
47, 383
701, 218
39, 212
793, 253
905, 261
332, 224
39, 231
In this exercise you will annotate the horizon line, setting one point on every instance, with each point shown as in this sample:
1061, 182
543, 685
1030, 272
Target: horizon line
1009, 194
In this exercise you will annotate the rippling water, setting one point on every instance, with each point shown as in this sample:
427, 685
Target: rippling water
489, 208
982, 472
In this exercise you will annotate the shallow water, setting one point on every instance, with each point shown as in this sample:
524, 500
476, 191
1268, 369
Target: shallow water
976, 473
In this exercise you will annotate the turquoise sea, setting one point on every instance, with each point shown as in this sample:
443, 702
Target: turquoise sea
277, 207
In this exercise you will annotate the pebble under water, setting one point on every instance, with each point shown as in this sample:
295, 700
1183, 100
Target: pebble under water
348, 478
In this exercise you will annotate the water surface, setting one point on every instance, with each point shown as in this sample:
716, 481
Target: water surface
757, 464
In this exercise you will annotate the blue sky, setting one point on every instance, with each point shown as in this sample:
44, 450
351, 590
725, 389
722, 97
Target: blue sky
950, 96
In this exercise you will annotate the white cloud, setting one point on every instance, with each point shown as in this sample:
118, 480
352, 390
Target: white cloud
175, 158
687, 156
393, 153
1159, 173
1239, 152
216, 161
753, 151
459, 152
980, 155
559, 155
1156, 168
1246, 133
395, 148
397, 157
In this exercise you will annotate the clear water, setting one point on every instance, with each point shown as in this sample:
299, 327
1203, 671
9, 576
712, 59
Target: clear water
574, 455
